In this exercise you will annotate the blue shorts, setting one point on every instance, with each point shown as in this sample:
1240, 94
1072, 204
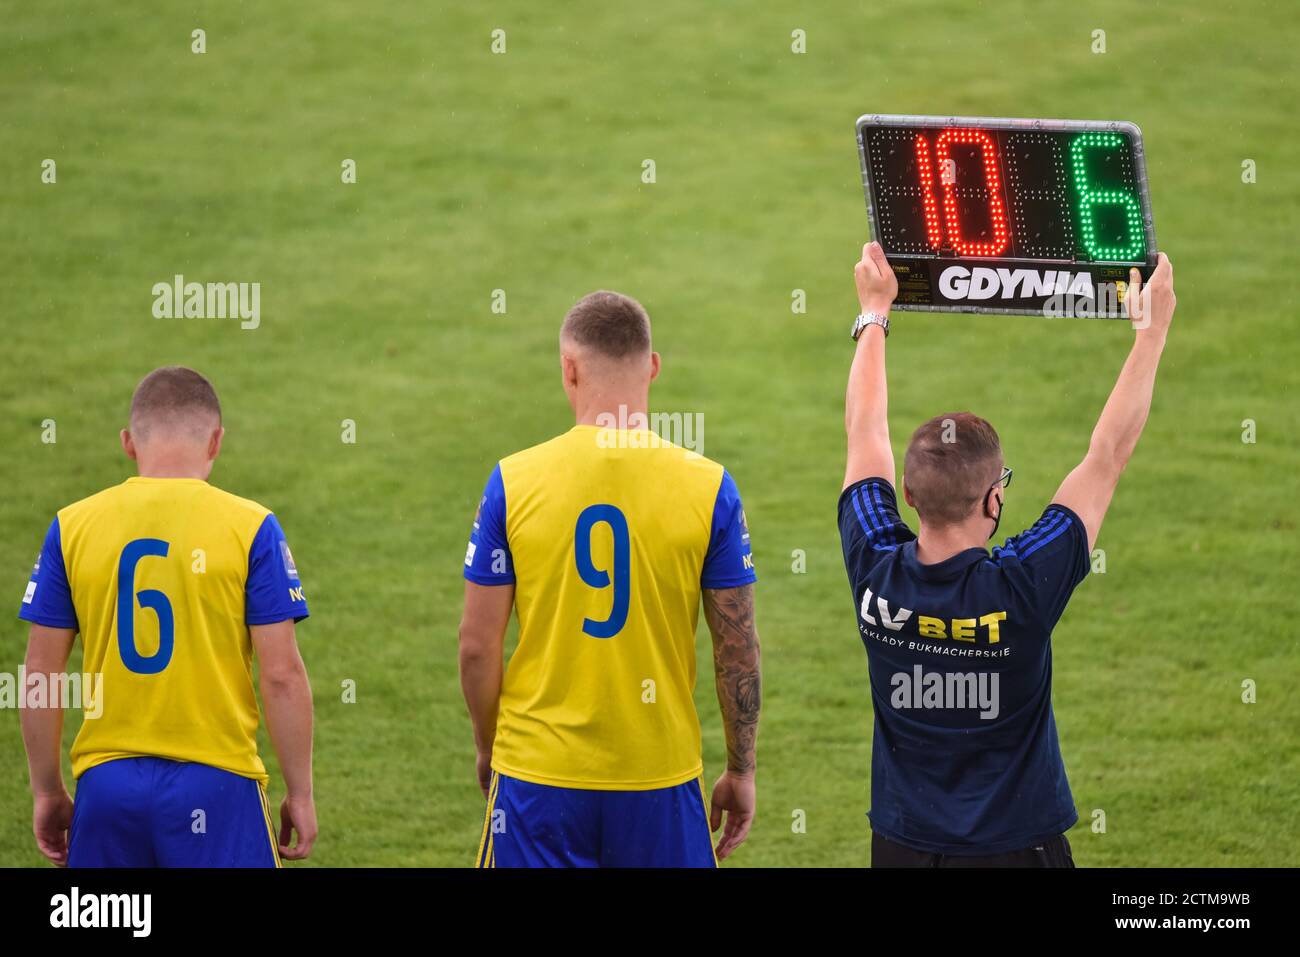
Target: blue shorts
536, 825
152, 812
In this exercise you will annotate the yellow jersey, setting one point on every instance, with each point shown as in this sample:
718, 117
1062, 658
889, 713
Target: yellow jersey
162, 577
608, 536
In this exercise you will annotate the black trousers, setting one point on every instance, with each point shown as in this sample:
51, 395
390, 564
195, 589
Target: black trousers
1054, 852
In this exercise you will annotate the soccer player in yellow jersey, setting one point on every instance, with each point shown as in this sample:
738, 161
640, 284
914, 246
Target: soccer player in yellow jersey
174, 585
604, 540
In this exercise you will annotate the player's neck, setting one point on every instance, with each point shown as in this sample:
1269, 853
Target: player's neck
614, 408
935, 545
177, 468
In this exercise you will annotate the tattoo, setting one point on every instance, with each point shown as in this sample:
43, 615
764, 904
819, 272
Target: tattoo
730, 614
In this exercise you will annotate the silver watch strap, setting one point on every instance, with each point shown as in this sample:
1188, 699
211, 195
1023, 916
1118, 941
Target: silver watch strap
869, 319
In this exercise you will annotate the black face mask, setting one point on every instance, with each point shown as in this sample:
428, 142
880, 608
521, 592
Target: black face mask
997, 519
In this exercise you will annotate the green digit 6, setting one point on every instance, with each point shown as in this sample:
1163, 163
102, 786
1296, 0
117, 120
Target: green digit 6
1090, 198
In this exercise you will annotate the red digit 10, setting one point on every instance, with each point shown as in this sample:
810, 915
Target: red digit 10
992, 180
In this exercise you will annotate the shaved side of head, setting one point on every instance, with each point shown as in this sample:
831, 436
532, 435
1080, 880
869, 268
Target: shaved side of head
174, 401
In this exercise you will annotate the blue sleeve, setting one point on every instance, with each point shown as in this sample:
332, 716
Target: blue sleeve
870, 526
48, 599
1052, 557
728, 562
487, 559
273, 591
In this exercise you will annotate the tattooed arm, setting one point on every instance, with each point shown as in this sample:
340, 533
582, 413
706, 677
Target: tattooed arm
730, 614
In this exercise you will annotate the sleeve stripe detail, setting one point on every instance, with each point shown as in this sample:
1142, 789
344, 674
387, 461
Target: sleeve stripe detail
1027, 539
1059, 529
878, 529
871, 508
893, 533
882, 535
857, 507
877, 509
1034, 539
1043, 527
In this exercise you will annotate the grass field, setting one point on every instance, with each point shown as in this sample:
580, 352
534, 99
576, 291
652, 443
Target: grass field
522, 172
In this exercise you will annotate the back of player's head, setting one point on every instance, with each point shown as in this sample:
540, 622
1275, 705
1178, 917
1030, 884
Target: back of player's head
608, 324
951, 462
176, 401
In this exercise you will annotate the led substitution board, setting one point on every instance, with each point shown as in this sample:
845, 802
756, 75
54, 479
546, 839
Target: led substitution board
1036, 217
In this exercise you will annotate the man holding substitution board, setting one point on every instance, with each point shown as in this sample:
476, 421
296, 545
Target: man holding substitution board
966, 764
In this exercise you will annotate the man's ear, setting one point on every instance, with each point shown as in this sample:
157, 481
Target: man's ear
214, 442
128, 444
568, 370
655, 365
907, 495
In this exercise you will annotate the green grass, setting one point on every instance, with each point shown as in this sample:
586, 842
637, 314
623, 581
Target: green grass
522, 172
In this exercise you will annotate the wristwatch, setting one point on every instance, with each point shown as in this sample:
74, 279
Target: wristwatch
869, 319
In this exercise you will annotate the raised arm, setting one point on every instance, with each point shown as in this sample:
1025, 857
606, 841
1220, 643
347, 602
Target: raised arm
866, 402
1089, 488
730, 614
482, 665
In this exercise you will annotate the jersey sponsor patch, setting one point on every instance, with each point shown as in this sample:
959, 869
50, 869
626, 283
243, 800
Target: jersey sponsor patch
469, 553
27, 595
290, 568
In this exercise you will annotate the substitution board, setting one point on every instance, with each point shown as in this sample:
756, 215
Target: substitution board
1025, 216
